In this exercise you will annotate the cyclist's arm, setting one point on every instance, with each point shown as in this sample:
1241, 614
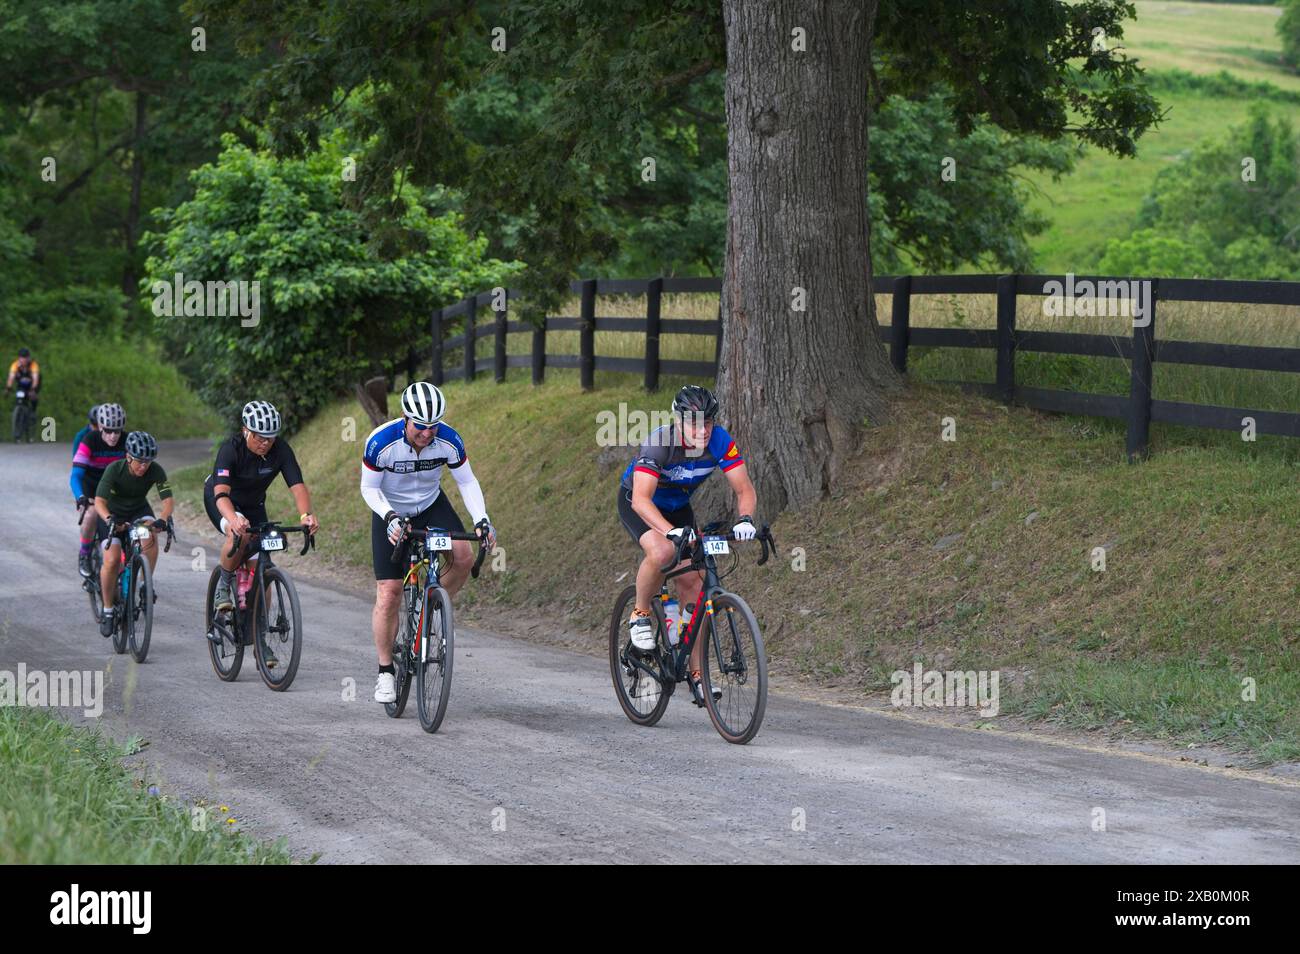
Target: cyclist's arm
471, 494
746, 496
75, 481
223, 504
9, 382
164, 493
36, 376
101, 508
372, 491
643, 505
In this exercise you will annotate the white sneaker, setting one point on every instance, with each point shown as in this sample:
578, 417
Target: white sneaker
386, 688
642, 629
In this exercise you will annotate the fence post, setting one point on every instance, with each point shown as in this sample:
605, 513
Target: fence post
1139, 395
435, 371
653, 296
500, 356
1006, 339
901, 323
587, 335
471, 317
539, 351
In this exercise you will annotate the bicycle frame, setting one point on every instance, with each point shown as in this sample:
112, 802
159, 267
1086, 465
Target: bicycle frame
243, 623
678, 655
423, 561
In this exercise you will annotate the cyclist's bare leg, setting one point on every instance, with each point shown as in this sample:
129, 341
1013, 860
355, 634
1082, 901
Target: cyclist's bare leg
246, 547
658, 551
108, 572
150, 550
462, 558
688, 592
383, 618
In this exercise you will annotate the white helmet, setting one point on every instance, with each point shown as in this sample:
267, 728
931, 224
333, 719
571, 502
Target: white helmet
423, 403
110, 416
262, 418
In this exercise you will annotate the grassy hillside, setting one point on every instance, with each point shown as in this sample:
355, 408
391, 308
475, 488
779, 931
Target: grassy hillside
80, 371
973, 554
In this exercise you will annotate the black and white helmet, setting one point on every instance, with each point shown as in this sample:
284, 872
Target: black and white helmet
695, 400
262, 418
110, 416
141, 445
423, 403
93, 416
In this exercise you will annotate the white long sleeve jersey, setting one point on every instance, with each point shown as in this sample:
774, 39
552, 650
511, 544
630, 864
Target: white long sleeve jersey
397, 477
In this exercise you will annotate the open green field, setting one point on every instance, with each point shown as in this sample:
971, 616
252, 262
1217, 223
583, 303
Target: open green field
1100, 199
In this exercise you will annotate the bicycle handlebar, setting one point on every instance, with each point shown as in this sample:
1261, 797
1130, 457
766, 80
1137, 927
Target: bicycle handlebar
763, 536
256, 530
454, 535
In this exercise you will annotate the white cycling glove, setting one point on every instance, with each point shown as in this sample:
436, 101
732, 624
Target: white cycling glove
744, 530
676, 533
394, 529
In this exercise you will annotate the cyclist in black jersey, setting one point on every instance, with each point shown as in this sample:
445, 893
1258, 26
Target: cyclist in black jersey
234, 494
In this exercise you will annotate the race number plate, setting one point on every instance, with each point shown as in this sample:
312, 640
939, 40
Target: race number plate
275, 542
714, 546
437, 541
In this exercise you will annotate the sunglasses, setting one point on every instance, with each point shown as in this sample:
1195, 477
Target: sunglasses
109, 430
423, 427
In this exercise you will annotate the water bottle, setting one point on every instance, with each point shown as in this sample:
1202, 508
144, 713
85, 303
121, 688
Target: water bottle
243, 583
672, 619
126, 583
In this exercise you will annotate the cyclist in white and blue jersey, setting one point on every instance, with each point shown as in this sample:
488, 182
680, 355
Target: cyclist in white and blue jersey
401, 475
654, 504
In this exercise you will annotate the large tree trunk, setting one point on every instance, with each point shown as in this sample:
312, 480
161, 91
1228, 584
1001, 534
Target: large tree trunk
797, 386
130, 278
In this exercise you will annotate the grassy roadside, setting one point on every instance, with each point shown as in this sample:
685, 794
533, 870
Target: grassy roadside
65, 798
972, 555
81, 371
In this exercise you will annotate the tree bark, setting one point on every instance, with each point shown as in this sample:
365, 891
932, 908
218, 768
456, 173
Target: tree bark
798, 386
373, 396
130, 278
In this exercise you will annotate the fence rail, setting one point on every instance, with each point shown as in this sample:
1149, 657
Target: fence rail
1141, 349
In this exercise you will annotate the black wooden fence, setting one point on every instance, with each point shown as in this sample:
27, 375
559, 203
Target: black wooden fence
1143, 350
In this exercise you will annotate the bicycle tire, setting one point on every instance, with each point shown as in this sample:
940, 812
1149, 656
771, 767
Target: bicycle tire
276, 579
225, 666
634, 688
401, 655
139, 608
727, 607
433, 683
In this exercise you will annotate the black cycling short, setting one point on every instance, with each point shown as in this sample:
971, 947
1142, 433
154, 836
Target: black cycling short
440, 514
635, 526
128, 516
255, 513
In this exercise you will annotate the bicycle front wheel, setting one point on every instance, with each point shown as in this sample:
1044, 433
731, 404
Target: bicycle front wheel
278, 646
139, 608
433, 658
640, 684
735, 663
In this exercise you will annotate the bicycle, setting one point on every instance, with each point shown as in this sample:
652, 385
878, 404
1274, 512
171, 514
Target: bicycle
23, 418
425, 638
644, 681
91, 583
133, 609
270, 621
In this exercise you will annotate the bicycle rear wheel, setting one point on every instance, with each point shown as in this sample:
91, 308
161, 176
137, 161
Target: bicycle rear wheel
139, 608
434, 659
278, 645
91, 584
228, 654
640, 684
20, 422
408, 623
735, 662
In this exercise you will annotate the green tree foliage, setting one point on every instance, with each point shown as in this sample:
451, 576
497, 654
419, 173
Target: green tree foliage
1288, 31
333, 310
1231, 209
